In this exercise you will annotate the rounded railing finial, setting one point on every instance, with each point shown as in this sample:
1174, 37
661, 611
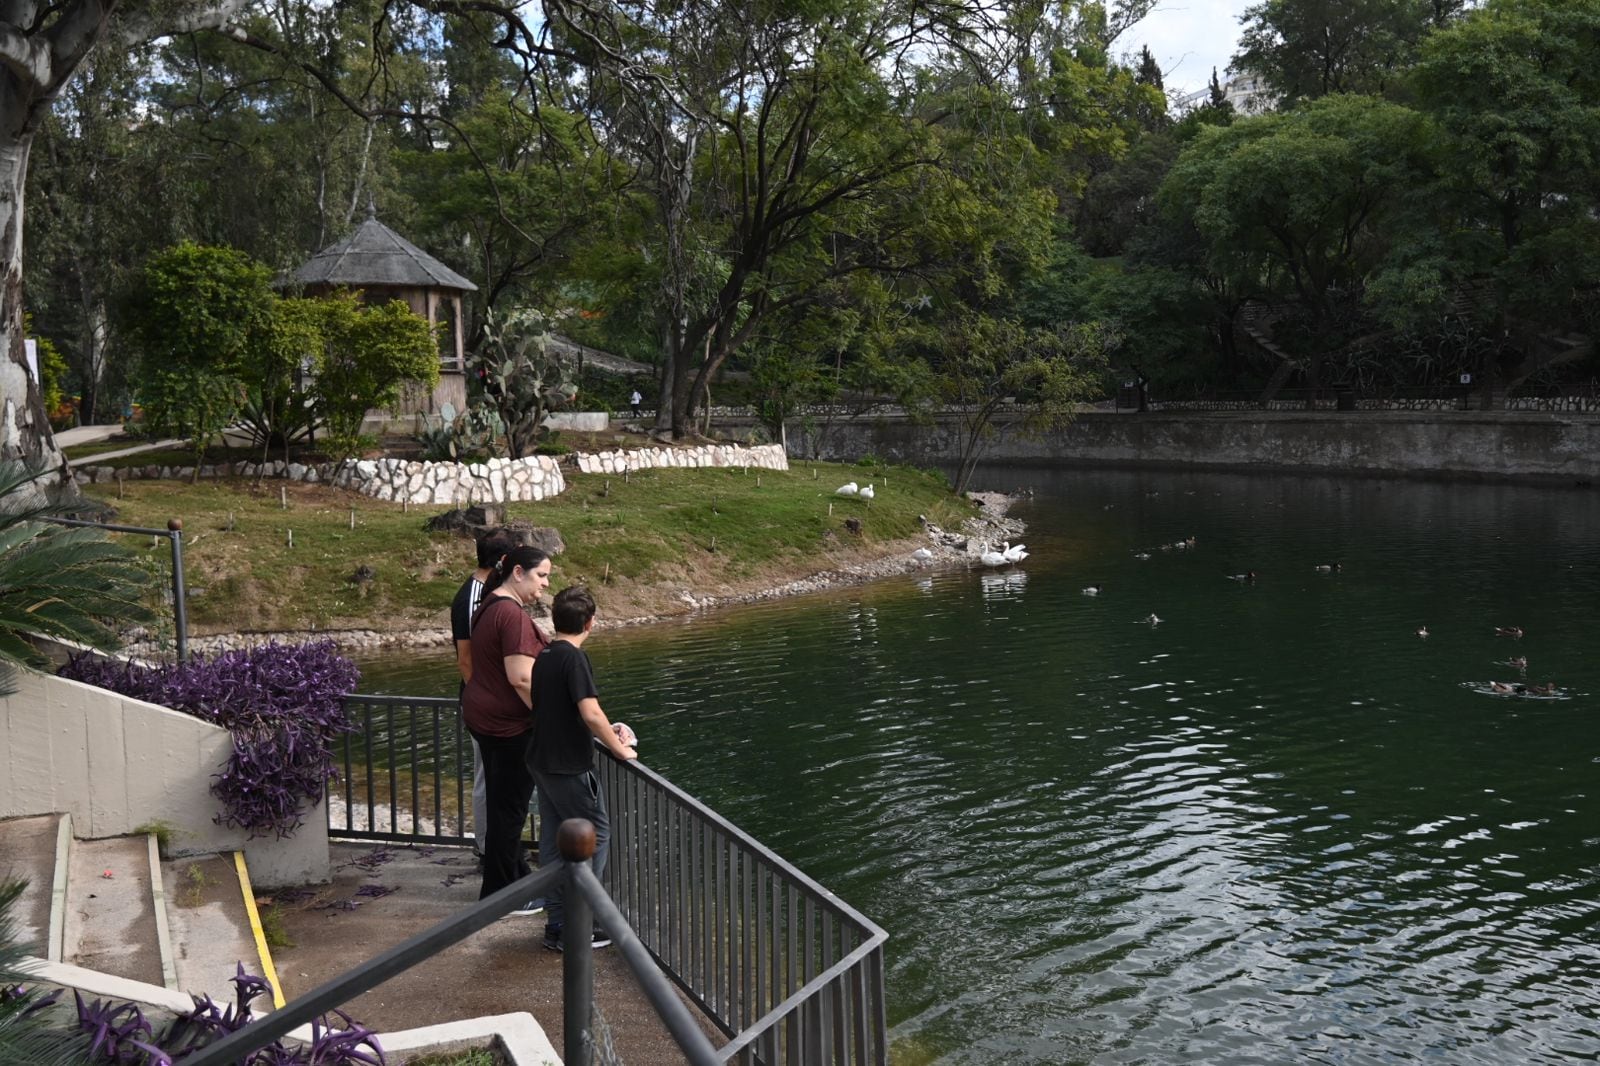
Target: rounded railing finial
576, 840
175, 524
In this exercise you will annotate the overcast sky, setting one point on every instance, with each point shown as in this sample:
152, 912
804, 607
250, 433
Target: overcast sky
1188, 38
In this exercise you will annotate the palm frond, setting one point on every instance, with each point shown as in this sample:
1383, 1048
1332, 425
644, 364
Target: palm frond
69, 582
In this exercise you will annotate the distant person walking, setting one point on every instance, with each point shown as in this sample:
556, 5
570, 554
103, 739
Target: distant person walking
636, 400
491, 547
498, 705
568, 721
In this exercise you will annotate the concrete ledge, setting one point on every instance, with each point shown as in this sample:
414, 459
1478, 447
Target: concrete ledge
517, 1035
56, 946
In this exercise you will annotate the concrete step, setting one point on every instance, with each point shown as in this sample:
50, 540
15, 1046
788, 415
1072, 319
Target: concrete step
210, 925
28, 849
111, 920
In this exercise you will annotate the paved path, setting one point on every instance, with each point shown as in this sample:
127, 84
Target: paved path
67, 438
503, 968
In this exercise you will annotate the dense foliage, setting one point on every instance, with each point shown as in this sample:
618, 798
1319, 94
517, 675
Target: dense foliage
803, 195
122, 1034
284, 705
73, 584
217, 344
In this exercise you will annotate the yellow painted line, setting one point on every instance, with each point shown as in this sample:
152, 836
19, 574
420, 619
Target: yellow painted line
269, 971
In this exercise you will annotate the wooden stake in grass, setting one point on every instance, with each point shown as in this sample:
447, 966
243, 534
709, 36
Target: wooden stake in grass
830, 508
352, 518
605, 579
713, 542
606, 491
815, 474
758, 481
119, 484
291, 538
230, 521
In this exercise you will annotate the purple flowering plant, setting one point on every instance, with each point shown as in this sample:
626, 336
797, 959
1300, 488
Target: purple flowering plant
284, 705
121, 1033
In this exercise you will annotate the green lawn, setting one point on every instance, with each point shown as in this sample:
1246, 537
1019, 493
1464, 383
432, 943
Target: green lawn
636, 542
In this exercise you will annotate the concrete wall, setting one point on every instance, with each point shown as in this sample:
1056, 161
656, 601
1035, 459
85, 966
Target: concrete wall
117, 763
1549, 448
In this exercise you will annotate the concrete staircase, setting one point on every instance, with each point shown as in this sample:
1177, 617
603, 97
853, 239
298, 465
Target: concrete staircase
114, 907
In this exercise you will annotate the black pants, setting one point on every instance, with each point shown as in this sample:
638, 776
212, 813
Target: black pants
563, 796
508, 784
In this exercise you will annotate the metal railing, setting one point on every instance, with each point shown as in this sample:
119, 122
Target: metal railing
405, 772
586, 901
790, 973
174, 534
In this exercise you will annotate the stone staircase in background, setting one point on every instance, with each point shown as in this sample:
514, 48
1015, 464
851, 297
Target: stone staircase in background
115, 907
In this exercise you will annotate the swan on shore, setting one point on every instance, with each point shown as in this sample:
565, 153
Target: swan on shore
867, 492
847, 489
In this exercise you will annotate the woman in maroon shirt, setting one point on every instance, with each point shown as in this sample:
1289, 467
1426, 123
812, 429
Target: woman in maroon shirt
498, 707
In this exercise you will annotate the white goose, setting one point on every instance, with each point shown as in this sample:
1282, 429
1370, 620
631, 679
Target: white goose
1014, 552
848, 489
867, 492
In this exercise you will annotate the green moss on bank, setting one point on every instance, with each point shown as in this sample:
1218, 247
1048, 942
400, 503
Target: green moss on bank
638, 542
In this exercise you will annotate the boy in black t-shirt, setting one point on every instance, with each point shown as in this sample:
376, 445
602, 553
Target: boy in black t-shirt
567, 719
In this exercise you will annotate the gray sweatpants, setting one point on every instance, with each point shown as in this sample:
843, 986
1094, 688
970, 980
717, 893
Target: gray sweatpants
480, 798
563, 796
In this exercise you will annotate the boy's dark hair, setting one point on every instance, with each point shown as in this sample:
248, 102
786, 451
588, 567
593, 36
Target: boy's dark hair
572, 610
494, 544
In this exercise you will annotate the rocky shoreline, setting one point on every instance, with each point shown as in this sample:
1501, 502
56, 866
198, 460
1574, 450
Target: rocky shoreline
944, 549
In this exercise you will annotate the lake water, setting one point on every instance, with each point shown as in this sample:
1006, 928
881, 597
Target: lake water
1278, 827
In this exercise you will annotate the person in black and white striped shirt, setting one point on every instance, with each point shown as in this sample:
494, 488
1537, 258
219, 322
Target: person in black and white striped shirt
463, 609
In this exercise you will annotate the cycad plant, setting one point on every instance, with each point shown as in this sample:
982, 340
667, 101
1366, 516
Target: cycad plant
27, 1032
73, 583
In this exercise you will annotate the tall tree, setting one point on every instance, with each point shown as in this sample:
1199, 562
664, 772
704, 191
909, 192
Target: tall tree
1303, 204
1305, 49
41, 48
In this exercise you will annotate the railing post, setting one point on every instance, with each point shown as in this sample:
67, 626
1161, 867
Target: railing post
576, 839
180, 613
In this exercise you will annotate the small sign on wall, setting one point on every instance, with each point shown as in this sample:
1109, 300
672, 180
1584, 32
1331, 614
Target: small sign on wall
1466, 379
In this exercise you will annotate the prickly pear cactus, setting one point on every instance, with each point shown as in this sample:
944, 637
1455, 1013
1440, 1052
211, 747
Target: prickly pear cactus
521, 376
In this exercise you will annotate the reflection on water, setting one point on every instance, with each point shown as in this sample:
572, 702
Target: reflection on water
1276, 827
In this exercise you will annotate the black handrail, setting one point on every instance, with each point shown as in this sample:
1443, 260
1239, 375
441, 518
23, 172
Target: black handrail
583, 892
175, 533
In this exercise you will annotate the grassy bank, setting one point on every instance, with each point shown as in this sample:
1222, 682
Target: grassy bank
638, 543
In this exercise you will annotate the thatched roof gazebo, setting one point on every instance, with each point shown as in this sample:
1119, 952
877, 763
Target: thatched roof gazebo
380, 264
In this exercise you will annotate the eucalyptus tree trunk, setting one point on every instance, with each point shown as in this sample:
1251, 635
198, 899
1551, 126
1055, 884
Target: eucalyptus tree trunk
42, 45
24, 430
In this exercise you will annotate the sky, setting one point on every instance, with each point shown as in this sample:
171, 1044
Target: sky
1188, 38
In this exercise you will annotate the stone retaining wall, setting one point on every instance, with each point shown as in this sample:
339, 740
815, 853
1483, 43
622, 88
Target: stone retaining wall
762, 457
1522, 447
533, 477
